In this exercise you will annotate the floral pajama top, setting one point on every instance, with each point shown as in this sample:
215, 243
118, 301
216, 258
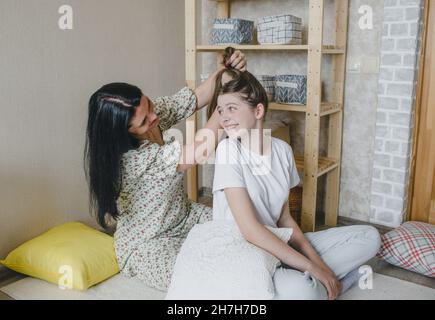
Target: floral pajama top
155, 214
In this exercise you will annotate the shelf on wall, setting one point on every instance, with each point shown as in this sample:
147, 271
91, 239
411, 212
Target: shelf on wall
326, 107
325, 164
267, 47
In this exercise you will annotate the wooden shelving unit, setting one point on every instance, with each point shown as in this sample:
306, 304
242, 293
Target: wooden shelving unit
253, 47
326, 108
313, 165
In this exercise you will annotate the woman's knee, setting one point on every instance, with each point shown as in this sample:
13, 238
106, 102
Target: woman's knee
294, 285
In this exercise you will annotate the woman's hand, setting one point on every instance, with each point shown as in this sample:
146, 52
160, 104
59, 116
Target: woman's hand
238, 61
204, 92
329, 280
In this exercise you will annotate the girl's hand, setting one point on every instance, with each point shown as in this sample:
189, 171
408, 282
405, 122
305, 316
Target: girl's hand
238, 61
329, 280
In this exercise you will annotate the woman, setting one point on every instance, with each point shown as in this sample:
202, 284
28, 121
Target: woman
135, 173
253, 176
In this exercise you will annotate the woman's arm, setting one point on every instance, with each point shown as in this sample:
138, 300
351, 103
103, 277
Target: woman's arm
204, 92
207, 138
256, 233
302, 245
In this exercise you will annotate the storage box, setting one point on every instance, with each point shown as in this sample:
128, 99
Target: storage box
281, 29
268, 83
291, 89
232, 31
295, 204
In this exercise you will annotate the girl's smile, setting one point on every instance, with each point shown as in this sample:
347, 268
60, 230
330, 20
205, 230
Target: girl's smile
236, 115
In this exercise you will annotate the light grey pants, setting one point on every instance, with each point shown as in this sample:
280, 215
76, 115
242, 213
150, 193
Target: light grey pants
343, 249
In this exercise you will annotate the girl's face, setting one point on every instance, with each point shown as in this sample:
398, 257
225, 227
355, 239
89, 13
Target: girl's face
237, 116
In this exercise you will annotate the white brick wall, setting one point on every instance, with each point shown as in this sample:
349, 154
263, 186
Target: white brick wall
394, 123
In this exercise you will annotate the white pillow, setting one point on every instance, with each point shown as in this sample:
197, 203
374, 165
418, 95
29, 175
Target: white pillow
216, 263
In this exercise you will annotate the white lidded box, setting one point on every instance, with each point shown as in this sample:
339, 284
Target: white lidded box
232, 31
280, 29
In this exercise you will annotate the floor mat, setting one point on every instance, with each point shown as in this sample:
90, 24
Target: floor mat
116, 288
389, 288
122, 288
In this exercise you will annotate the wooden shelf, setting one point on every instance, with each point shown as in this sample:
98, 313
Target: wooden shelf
325, 165
327, 108
315, 51
267, 47
287, 107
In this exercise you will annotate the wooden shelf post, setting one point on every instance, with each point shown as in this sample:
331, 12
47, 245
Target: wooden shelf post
192, 174
223, 12
336, 120
223, 9
312, 119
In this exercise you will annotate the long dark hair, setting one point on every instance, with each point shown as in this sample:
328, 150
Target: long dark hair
107, 138
242, 82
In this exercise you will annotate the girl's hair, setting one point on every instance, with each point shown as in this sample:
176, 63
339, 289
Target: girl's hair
107, 138
242, 82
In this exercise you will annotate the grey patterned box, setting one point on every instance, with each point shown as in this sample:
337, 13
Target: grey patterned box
281, 29
232, 31
291, 89
268, 83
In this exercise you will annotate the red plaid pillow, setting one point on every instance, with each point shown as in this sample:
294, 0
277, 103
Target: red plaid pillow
411, 247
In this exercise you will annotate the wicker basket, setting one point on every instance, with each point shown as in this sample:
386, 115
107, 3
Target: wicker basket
295, 203
268, 83
281, 29
232, 31
291, 89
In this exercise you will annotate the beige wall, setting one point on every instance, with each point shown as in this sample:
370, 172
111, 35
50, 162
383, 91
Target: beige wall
46, 78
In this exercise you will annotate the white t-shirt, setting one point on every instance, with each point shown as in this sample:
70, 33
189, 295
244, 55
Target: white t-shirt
268, 179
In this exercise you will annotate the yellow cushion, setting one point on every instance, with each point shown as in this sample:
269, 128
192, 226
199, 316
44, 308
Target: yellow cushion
71, 255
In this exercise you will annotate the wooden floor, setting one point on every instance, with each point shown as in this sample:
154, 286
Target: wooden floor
379, 266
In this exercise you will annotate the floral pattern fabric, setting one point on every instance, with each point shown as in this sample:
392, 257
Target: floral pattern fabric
155, 214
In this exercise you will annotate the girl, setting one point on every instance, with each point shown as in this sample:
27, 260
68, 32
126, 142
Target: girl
252, 179
135, 173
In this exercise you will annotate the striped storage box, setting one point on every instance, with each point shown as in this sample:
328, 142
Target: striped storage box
232, 31
281, 29
291, 89
268, 83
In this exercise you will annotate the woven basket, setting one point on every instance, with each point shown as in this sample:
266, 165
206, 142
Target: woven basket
268, 83
232, 31
281, 29
291, 89
295, 203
